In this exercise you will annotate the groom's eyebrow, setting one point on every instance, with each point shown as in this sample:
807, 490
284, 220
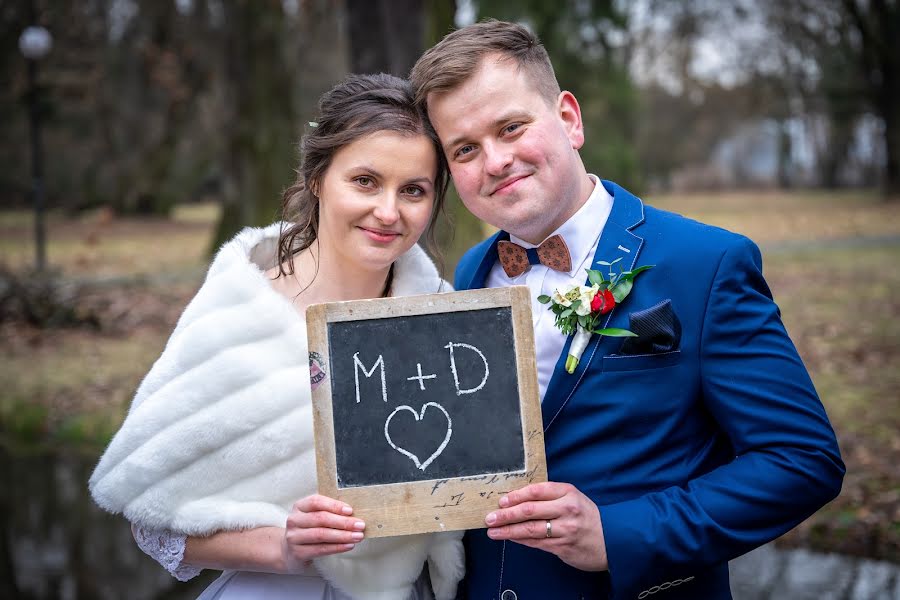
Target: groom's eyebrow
454, 142
503, 119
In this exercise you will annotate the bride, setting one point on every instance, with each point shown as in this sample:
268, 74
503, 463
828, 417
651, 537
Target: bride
214, 464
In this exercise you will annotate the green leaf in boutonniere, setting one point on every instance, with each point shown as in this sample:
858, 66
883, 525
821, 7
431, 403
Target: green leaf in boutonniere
595, 277
635, 272
615, 332
621, 290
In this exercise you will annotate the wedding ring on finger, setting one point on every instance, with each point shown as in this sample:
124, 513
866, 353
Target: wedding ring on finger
549, 529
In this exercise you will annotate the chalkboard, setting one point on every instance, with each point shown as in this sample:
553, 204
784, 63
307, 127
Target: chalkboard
425, 408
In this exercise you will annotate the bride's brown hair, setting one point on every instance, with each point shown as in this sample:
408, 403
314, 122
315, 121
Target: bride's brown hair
359, 106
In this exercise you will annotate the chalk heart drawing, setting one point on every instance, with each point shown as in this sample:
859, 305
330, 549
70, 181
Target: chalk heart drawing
418, 416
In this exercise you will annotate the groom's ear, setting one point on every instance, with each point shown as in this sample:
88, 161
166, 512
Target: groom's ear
570, 114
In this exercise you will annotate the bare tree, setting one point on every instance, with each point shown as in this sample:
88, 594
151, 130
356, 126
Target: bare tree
848, 53
875, 29
260, 123
386, 36
277, 65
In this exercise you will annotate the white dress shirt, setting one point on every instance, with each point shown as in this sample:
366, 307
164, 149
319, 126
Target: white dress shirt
581, 233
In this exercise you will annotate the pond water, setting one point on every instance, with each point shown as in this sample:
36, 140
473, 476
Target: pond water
55, 543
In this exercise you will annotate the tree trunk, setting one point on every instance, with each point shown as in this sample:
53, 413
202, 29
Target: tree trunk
891, 113
877, 25
440, 16
840, 136
261, 136
319, 44
8, 586
386, 36
888, 100
785, 163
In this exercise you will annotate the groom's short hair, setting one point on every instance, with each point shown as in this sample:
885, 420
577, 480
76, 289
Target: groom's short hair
452, 61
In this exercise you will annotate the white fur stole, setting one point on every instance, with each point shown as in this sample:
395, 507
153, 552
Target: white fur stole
219, 435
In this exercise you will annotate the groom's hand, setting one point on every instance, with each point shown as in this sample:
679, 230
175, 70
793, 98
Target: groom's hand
576, 532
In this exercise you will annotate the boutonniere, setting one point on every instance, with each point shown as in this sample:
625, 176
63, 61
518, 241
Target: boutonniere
578, 308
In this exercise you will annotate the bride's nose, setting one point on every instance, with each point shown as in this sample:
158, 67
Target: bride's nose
386, 210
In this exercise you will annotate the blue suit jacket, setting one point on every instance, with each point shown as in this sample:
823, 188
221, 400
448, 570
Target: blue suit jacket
693, 457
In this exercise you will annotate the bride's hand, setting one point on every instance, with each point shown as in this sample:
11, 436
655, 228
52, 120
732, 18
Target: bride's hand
319, 525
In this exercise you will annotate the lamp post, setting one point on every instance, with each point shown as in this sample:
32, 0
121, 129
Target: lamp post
34, 43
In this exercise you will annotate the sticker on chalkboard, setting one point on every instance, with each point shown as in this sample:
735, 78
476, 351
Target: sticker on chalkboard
316, 370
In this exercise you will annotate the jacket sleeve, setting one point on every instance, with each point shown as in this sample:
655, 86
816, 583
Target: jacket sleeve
786, 465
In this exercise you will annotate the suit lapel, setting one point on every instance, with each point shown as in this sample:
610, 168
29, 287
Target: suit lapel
616, 241
485, 262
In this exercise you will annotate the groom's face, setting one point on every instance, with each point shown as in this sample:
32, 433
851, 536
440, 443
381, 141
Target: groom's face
512, 153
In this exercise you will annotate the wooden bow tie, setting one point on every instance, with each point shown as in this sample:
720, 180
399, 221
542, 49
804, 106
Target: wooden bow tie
552, 253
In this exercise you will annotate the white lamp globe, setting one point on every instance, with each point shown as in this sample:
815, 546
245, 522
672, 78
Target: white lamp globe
35, 42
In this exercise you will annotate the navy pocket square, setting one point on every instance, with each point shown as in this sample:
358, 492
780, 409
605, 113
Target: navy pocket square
658, 330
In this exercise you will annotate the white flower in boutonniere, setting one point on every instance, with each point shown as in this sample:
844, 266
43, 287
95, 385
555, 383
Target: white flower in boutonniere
566, 296
578, 308
586, 296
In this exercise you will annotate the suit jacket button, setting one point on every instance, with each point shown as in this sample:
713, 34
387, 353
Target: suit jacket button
508, 595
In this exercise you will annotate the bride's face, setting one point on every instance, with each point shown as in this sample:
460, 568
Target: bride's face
376, 198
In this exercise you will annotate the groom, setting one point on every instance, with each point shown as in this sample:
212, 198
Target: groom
671, 453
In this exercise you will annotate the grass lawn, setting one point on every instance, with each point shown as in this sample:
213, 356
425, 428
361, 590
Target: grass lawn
840, 303
776, 217
842, 310
74, 385
98, 245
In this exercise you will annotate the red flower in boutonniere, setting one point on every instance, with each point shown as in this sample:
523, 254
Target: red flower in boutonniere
603, 302
578, 308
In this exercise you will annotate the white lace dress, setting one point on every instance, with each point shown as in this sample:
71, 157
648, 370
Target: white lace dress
167, 549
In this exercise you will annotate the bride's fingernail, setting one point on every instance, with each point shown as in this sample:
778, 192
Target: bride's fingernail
347, 510
359, 525
357, 535
349, 546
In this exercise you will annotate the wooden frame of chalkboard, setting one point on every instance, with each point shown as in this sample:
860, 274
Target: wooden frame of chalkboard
478, 396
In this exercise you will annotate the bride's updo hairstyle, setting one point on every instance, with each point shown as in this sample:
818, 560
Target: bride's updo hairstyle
359, 106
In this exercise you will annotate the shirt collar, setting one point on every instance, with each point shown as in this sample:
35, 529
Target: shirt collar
583, 228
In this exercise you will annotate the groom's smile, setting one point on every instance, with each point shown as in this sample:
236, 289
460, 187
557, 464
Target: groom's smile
508, 185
